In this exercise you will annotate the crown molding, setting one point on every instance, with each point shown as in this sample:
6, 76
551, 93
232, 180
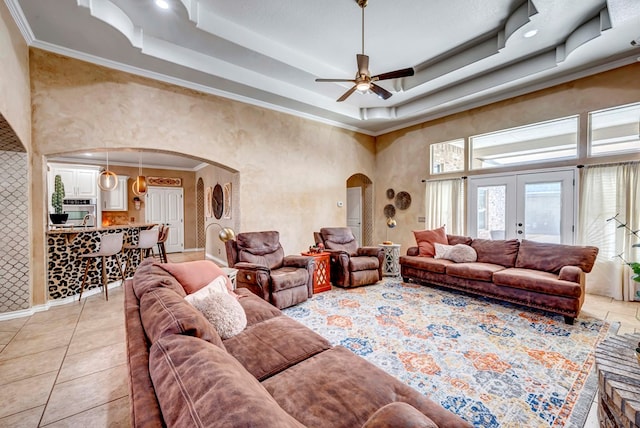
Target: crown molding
21, 21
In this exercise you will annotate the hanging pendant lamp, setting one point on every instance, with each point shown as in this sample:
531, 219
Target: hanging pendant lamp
107, 180
139, 186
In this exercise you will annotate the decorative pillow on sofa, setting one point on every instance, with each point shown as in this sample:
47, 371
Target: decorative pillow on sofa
223, 312
195, 275
442, 251
218, 285
459, 253
426, 238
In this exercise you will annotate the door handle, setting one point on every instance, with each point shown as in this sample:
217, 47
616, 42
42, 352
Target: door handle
520, 232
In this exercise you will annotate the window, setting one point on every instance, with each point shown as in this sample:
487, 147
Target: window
447, 157
539, 142
614, 130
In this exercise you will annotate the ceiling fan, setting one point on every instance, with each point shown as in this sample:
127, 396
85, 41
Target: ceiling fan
364, 81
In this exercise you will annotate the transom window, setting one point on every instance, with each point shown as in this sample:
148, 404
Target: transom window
614, 130
447, 156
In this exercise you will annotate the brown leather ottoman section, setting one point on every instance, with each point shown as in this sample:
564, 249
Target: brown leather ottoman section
349, 390
532, 280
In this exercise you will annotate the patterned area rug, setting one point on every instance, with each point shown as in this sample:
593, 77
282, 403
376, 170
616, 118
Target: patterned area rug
494, 364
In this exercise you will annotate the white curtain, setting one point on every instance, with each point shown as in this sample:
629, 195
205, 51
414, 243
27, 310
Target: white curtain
608, 191
444, 205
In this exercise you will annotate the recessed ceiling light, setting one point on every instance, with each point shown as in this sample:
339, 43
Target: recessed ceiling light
530, 33
162, 4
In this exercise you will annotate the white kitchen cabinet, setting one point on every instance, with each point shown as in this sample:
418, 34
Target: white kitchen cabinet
117, 199
79, 181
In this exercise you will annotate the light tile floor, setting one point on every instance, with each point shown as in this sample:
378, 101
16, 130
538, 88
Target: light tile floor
66, 367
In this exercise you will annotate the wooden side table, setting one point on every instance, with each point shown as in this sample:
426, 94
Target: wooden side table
391, 259
618, 381
321, 274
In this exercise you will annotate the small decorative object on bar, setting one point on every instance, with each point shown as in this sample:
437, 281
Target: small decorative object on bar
136, 203
139, 186
107, 180
58, 217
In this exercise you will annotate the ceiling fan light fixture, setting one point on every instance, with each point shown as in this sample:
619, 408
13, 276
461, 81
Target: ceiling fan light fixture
363, 86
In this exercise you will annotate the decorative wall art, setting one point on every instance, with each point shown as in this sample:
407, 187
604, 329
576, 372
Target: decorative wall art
218, 202
390, 193
403, 200
164, 181
208, 202
226, 190
389, 211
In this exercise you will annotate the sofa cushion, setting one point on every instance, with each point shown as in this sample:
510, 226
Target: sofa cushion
498, 252
150, 275
196, 274
399, 415
537, 281
288, 277
427, 263
478, 271
457, 239
261, 248
426, 238
226, 396
339, 238
459, 253
271, 346
223, 312
363, 263
347, 391
256, 309
552, 257
164, 312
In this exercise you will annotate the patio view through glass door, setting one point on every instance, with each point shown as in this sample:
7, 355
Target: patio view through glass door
535, 206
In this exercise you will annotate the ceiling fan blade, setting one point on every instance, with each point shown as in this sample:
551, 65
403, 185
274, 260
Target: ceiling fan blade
363, 64
346, 94
336, 80
380, 91
405, 72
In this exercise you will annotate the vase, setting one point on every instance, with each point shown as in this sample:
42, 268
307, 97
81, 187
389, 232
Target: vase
59, 218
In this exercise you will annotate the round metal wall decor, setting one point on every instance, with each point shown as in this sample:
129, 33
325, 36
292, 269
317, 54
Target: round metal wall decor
403, 200
389, 211
218, 201
390, 193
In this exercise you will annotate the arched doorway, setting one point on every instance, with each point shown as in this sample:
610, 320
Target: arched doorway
360, 207
201, 238
15, 293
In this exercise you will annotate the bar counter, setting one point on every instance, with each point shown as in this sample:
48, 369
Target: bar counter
65, 269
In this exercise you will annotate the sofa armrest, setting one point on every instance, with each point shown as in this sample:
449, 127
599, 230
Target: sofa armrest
370, 251
572, 274
413, 251
250, 266
399, 415
298, 261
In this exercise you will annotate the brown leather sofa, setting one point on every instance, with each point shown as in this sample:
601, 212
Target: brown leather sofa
351, 266
264, 270
275, 373
539, 275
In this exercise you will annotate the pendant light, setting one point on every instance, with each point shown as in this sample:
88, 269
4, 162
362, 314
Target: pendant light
139, 186
107, 180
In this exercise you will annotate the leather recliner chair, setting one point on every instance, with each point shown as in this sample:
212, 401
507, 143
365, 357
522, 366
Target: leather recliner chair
266, 272
350, 266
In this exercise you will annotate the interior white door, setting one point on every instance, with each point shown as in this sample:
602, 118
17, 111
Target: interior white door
354, 212
164, 205
538, 206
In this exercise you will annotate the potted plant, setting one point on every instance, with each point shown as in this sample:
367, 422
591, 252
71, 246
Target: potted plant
58, 217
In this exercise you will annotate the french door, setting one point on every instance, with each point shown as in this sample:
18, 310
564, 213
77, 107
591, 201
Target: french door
538, 206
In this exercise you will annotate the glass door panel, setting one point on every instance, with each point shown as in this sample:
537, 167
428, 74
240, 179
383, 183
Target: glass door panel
489, 207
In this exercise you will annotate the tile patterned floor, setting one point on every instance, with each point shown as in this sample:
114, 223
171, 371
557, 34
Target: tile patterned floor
66, 367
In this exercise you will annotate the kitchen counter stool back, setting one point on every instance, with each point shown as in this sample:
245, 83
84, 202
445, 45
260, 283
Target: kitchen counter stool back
146, 240
110, 246
163, 234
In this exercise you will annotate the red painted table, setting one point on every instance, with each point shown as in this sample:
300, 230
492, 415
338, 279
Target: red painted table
321, 274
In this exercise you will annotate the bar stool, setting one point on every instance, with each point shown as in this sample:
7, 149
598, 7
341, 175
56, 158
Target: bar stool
146, 240
110, 245
163, 234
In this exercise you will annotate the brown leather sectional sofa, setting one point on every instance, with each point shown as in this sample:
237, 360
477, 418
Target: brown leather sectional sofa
539, 275
275, 373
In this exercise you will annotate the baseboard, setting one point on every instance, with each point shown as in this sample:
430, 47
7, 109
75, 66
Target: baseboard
216, 260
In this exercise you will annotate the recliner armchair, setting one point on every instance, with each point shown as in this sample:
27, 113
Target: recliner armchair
266, 272
350, 266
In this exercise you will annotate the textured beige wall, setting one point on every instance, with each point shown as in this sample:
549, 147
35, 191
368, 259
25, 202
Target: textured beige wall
292, 170
402, 159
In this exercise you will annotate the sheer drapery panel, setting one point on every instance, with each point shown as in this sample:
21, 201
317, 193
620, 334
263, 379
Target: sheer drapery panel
444, 205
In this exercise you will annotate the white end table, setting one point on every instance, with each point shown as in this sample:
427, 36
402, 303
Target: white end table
231, 273
391, 265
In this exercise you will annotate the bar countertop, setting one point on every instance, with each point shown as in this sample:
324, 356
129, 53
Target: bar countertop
80, 229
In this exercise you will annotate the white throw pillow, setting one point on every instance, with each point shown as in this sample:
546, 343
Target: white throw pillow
442, 250
218, 285
461, 253
223, 312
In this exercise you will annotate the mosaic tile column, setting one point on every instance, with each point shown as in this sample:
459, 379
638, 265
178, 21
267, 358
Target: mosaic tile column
14, 223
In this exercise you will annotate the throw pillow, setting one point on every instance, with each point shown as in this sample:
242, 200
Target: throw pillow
195, 275
442, 251
426, 238
461, 253
218, 285
223, 312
